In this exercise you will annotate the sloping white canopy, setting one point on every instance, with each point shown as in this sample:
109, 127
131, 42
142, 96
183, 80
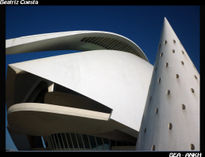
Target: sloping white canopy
116, 79
73, 40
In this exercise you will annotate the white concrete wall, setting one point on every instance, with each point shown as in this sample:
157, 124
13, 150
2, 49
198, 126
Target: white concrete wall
171, 121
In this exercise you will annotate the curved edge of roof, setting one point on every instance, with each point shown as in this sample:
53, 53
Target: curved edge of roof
15, 43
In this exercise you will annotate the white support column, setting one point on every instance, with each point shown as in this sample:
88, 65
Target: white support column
171, 120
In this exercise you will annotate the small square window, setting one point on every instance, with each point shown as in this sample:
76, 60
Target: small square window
168, 92
159, 80
170, 126
153, 147
177, 75
156, 110
183, 107
192, 90
145, 130
192, 146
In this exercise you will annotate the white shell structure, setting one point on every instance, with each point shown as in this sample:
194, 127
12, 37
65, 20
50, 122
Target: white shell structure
171, 120
112, 80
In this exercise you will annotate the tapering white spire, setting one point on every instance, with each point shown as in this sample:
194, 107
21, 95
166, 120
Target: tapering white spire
171, 118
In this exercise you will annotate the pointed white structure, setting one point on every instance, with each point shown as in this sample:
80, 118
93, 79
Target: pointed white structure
171, 120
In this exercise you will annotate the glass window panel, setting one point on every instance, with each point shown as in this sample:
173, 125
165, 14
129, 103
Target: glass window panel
86, 142
126, 143
51, 142
92, 141
99, 143
80, 143
113, 143
66, 140
131, 143
76, 140
63, 140
47, 142
106, 144
81, 136
60, 141
73, 138
70, 143
106, 141
56, 141
119, 143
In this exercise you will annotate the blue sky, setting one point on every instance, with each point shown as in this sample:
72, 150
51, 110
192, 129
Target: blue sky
141, 24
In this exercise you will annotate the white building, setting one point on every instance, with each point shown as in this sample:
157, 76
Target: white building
98, 98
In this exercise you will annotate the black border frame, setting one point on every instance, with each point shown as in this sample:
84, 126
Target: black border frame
131, 2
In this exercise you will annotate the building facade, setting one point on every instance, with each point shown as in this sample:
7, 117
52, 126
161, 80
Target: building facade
98, 98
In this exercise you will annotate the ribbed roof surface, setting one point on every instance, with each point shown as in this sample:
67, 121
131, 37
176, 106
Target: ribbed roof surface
73, 40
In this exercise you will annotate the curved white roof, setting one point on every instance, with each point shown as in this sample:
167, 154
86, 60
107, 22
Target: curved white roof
73, 40
116, 79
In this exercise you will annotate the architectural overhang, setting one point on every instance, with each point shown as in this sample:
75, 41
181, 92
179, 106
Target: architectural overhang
40, 119
73, 40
